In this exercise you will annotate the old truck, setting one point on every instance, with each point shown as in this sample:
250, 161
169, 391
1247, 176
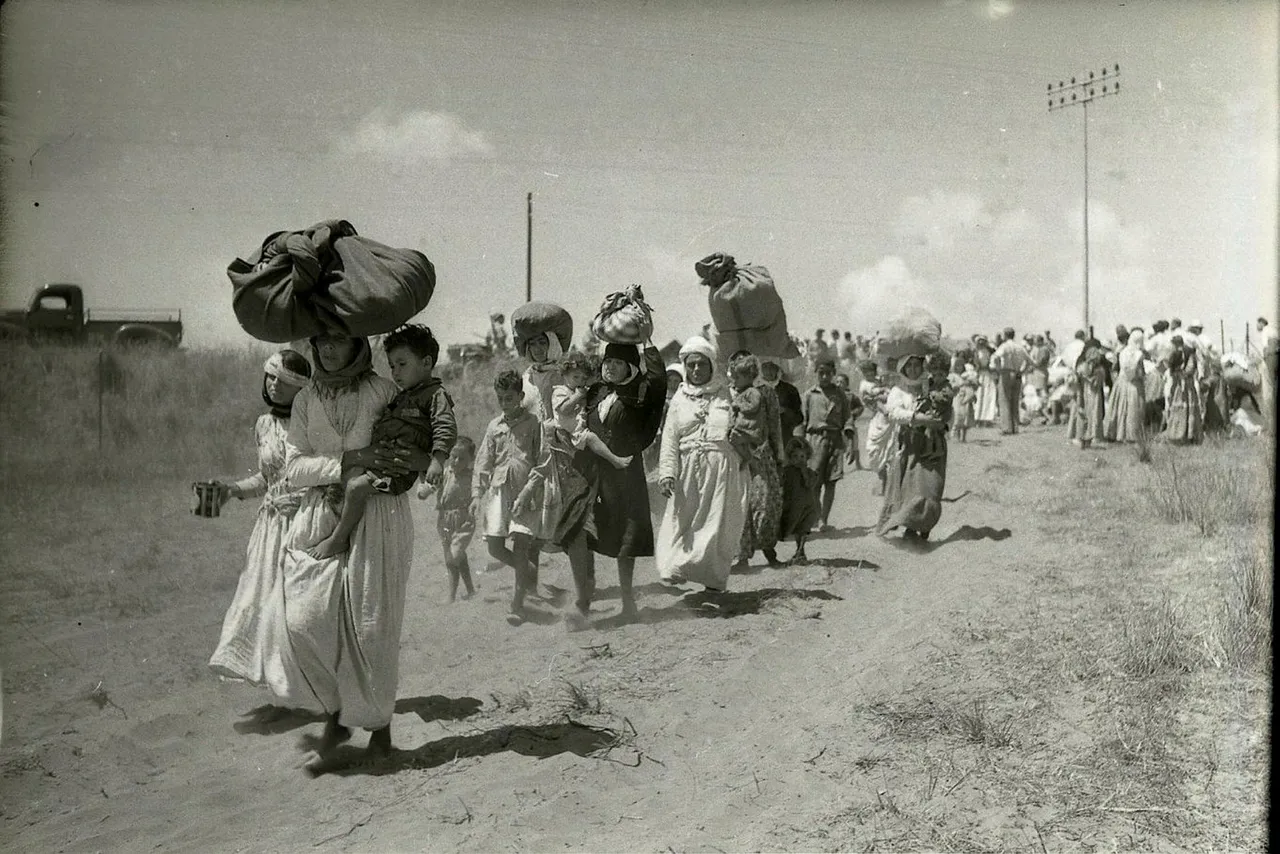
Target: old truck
57, 314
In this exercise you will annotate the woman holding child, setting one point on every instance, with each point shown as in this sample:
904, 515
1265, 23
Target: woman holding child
343, 613
764, 452
623, 410
917, 469
702, 474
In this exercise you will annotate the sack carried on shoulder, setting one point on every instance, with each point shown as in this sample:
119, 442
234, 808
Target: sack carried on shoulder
538, 318
624, 318
327, 278
745, 308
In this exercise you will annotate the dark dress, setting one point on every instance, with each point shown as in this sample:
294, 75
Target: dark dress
623, 525
789, 408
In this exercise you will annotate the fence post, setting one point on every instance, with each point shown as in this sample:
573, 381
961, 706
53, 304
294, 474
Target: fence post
101, 384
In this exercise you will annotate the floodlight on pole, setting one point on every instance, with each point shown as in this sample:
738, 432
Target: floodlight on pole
1080, 92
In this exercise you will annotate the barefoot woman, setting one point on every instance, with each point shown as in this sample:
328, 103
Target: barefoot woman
344, 612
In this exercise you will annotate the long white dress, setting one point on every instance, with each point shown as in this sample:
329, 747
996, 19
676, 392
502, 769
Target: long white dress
702, 525
253, 645
343, 614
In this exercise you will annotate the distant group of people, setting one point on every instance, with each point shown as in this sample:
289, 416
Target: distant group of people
1171, 383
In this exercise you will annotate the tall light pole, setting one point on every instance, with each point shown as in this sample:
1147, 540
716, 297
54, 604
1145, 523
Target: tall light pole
1079, 92
528, 253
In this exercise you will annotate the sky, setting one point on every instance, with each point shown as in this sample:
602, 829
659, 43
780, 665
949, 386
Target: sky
872, 155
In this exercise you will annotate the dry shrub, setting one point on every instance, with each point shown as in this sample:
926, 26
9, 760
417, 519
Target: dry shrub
1211, 486
1155, 642
1240, 632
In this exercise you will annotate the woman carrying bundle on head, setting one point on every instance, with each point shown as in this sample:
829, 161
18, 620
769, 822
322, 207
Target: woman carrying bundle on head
622, 411
920, 414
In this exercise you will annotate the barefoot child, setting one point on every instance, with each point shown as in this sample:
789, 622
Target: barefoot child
826, 411
508, 453
799, 497
455, 522
420, 416
962, 411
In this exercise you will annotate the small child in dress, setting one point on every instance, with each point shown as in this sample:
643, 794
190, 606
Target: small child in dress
799, 497
962, 406
510, 449
420, 416
747, 431
569, 402
454, 521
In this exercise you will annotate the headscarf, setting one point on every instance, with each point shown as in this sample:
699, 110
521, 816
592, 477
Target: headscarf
628, 353
275, 366
555, 352
903, 379
698, 346
330, 384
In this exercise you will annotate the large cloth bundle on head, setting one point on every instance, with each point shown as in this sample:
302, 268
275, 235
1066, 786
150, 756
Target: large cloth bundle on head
624, 318
746, 310
915, 332
539, 318
327, 278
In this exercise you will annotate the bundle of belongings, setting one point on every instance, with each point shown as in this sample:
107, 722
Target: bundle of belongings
915, 332
327, 279
535, 319
624, 318
746, 311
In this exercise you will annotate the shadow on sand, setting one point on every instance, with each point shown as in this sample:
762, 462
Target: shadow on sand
438, 707
965, 533
540, 741
733, 604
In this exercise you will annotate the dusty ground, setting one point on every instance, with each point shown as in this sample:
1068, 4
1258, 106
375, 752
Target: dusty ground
967, 695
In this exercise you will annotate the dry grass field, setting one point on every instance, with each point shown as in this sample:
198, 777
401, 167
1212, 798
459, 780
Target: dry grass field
1079, 660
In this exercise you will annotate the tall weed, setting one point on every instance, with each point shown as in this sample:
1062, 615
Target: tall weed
1212, 486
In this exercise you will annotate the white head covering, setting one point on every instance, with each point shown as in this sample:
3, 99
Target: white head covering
275, 366
903, 378
696, 344
677, 368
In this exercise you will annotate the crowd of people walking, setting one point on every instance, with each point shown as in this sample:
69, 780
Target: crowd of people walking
744, 459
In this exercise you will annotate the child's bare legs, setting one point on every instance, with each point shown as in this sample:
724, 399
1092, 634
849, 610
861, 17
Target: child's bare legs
455, 560
828, 498
582, 561
799, 558
355, 497
596, 445
516, 557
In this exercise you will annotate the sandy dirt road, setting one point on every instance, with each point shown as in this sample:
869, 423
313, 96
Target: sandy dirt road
687, 731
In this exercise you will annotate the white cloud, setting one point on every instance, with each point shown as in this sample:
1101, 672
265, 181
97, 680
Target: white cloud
942, 220
997, 9
414, 137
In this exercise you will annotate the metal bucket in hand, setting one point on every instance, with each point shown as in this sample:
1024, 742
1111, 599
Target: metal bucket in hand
209, 496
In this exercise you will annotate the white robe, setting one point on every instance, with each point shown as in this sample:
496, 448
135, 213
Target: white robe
344, 613
701, 528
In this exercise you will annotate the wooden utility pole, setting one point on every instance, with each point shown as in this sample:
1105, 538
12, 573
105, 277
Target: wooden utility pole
528, 253
1078, 93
